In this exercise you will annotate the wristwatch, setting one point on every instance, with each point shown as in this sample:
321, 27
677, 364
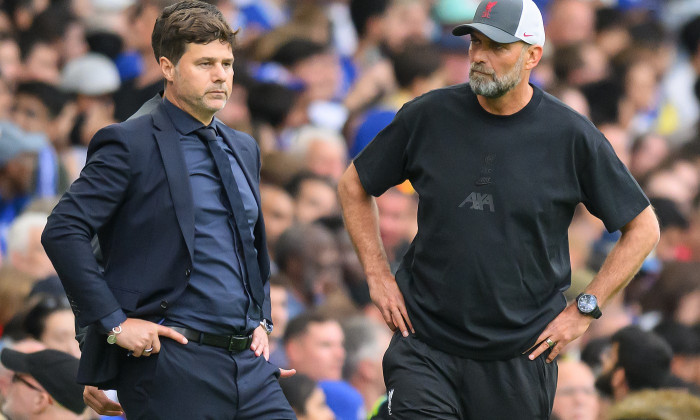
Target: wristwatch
588, 305
267, 325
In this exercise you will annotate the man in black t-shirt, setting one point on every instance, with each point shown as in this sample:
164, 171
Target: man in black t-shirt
499, 167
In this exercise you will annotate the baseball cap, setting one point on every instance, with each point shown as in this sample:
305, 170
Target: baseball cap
55, 371
506, 21
92, 74
14, 141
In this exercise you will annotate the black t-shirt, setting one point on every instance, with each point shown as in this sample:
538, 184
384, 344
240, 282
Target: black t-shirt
486, 271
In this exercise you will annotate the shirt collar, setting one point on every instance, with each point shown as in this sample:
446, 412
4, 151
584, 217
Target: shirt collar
184, 123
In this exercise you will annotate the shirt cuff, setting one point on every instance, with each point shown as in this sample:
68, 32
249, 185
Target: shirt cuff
112, 320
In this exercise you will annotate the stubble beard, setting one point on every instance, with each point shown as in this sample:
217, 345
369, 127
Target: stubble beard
495, 86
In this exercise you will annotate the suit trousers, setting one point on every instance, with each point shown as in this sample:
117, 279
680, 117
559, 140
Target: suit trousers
425, 383
195, 381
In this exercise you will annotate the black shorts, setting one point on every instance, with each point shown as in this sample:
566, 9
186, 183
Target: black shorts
425, 383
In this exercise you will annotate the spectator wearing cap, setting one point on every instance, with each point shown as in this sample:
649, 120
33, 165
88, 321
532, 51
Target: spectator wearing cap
43, 386
93, 78
18, 162
24, 346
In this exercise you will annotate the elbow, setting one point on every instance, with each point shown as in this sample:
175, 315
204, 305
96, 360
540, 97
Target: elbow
349, 186
655, 233
651, 231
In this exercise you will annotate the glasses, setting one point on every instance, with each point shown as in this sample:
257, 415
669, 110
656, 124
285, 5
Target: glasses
16, 378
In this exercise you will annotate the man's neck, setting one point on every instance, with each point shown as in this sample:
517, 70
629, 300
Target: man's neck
205, 119
510, 103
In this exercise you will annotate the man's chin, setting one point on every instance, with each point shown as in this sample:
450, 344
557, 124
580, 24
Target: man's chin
215, 106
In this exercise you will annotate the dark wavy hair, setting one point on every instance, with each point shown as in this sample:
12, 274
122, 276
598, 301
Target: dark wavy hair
188, 22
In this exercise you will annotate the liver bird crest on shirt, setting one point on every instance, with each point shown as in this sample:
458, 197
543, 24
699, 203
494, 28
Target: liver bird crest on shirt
487, 11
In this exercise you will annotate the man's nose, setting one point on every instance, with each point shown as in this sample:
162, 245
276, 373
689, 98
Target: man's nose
219, 72
476, 55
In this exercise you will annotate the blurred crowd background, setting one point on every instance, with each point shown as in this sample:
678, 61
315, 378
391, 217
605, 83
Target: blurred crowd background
315, 81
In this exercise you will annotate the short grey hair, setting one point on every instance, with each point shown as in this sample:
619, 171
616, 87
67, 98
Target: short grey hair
18, 233
308, 134
362, 342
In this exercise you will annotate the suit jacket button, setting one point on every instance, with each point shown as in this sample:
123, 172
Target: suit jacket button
164, 304
188, 272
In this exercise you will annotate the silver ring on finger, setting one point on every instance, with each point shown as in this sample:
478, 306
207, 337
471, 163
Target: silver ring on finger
148, 350
550, 343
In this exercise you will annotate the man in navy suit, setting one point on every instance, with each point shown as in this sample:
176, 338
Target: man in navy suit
178, 318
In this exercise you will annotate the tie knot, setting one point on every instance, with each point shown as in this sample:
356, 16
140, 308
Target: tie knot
207, 133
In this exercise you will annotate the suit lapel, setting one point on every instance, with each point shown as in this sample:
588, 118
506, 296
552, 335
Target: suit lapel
176, 173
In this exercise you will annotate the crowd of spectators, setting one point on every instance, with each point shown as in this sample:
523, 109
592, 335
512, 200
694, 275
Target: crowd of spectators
315, 81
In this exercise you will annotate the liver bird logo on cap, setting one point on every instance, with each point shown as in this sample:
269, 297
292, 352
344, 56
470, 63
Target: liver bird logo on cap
487, 11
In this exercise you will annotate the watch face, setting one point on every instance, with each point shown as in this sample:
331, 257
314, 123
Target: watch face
587, 303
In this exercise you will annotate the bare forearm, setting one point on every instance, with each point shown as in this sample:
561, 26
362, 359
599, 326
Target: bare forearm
362, 222
639, 237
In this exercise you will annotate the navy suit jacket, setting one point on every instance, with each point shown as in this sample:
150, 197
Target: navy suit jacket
135, 194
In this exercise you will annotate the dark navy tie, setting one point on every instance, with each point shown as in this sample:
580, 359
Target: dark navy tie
223, 166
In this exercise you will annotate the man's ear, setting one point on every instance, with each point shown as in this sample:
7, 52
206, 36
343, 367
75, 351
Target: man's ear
42, 402
167, 68
619, 381
534, 55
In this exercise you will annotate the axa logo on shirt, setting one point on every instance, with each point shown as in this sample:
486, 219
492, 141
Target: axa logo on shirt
487, 11
479, 201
